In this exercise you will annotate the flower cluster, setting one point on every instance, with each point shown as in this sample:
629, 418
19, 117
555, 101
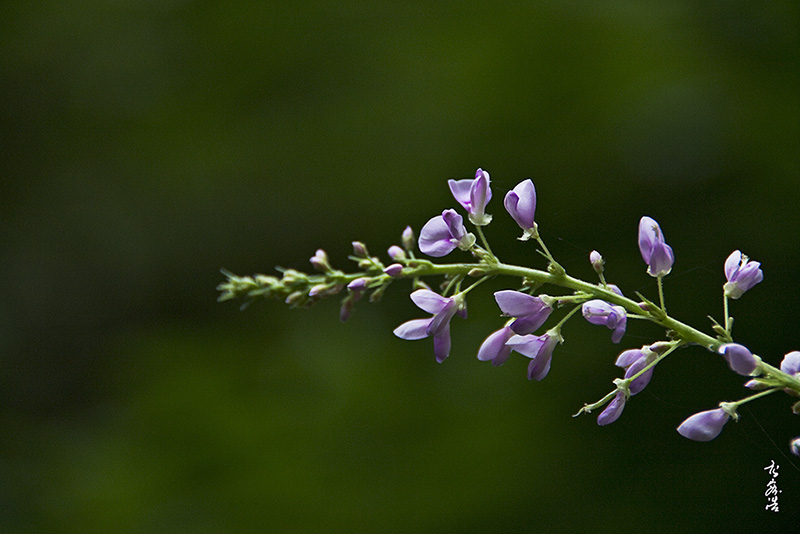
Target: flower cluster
525, 310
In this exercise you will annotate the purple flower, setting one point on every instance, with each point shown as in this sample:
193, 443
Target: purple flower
530, 312
438, 326
655, 252
494, 348
613, 410
633, 361
443, 234
794, 446
704, 426
741, 273
602, 313
520, 203
474, 195
739, 358
539, 349
791, 363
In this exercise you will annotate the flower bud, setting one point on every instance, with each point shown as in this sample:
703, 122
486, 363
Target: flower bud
397, 253
597, 261
360, 250
408, 238
739, 358
704, 426
794, 446
394, 270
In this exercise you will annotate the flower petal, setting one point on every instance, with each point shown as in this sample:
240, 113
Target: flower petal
413, 329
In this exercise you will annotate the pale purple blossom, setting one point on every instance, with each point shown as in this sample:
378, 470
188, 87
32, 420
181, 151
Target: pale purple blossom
473, 195
438, 326
494, 347
791, 363
530, 312
520, 203
613, 317
656, 253
704, 426
613, 410
443, 234
408, 238
539, 349
739, 358
633, 361
742, 274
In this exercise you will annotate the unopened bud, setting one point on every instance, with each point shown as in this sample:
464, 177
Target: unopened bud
360, 249
409, 239
597, 261
397, 253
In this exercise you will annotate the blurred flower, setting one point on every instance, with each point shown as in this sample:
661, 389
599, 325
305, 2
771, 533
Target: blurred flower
539, 349
655, 252
613, 410
438, 326
739, 358
741, 273
474, 195
791, 363
602, 313
520, 203
704, 426
443, 234
795, 446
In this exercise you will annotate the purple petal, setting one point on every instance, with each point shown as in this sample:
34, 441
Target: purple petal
520, 203
739, 358
612, 411
494, 348
441, 321
540, 366
413, 329
441, 343
527, 345
626, 358
661, 260
704, 426
461, 191
435, 238
732, 264
791, 363
429, 301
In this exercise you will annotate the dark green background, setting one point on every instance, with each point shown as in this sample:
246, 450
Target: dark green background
147, 144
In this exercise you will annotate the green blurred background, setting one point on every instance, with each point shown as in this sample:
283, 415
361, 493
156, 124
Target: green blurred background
145, 145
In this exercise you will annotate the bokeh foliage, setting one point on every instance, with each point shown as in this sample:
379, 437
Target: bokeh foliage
145, 145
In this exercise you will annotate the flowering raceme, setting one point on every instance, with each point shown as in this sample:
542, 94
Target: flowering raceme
525, 309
